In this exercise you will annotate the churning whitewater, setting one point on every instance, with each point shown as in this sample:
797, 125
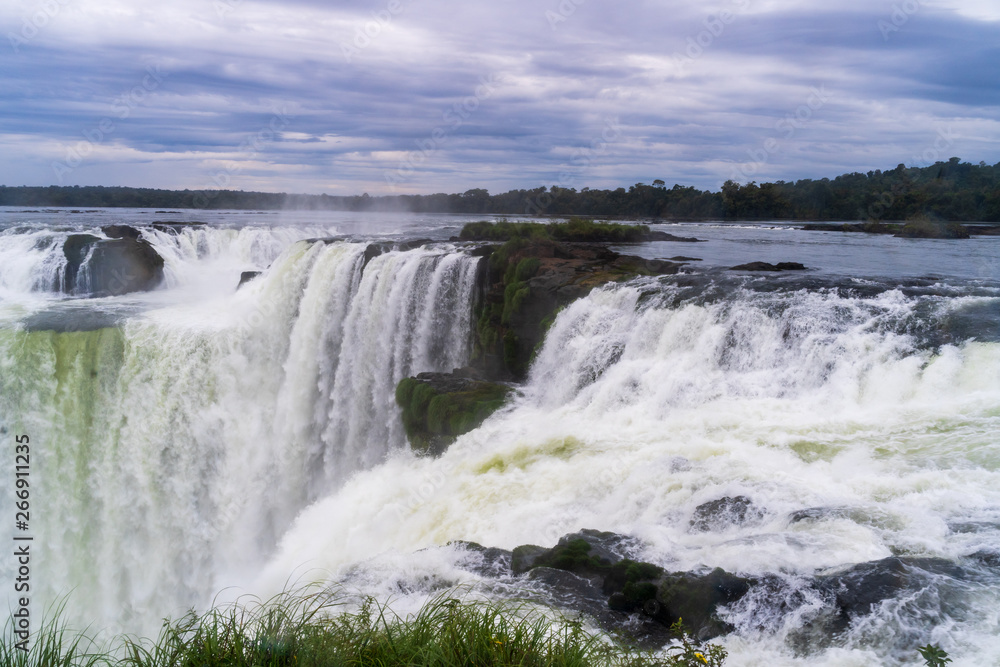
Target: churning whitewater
200, 437
175, 447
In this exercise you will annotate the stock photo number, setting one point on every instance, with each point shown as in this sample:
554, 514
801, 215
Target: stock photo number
22, 541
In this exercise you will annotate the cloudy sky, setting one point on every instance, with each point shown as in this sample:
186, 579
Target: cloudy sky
420, 96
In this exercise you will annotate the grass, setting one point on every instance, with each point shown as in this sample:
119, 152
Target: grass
315, 630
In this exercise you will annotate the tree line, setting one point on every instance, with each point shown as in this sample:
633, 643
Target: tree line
951, 191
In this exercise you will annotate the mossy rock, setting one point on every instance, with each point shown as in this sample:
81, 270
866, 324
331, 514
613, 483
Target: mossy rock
438, 407
695, 598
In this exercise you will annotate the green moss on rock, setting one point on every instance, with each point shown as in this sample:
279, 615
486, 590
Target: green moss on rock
438, 407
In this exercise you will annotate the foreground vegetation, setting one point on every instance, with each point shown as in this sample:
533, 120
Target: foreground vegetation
950, 191
314, 630
294, 630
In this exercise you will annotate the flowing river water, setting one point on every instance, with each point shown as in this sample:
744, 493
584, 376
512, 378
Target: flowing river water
199, 438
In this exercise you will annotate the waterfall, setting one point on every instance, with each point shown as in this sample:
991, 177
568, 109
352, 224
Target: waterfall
172, 451
645, 403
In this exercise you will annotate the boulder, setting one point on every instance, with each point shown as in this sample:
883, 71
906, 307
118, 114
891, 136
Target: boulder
696, 598
247, 276
725, 512
97, 267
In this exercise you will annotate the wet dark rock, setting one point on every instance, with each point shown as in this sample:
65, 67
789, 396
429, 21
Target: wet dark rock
595, 561
121, 232
682, 258
487, 561
725, 512
99, 267
526, 282
696, 598
984, 230
819, 514
247, 276
175, 227
989, 558
857, 590
590, 572
587, 553
764, 266
438, 407
664, 236
380, 248
75, 248
525, 557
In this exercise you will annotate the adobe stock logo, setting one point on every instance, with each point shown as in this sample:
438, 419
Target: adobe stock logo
32, 25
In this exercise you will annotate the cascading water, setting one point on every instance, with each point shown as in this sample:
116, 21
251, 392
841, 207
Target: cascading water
198, 436
643, 404
173, 450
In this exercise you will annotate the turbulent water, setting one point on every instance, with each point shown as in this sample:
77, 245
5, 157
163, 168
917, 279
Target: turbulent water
200, 437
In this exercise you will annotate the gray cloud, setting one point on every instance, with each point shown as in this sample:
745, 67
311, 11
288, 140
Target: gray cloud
698, 93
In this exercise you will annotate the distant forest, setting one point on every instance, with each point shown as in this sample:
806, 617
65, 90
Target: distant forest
951, 191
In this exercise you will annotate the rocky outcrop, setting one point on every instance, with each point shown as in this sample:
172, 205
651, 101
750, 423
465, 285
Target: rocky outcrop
76, 247
100, 267
375, 249
856, 592
246, 277
121, 232
591, 572
438, 407
527, 281
724, 513
764, 266
592, 567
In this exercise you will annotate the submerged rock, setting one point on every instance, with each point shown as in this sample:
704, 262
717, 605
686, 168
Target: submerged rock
764, 266
855, 592
725, 512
